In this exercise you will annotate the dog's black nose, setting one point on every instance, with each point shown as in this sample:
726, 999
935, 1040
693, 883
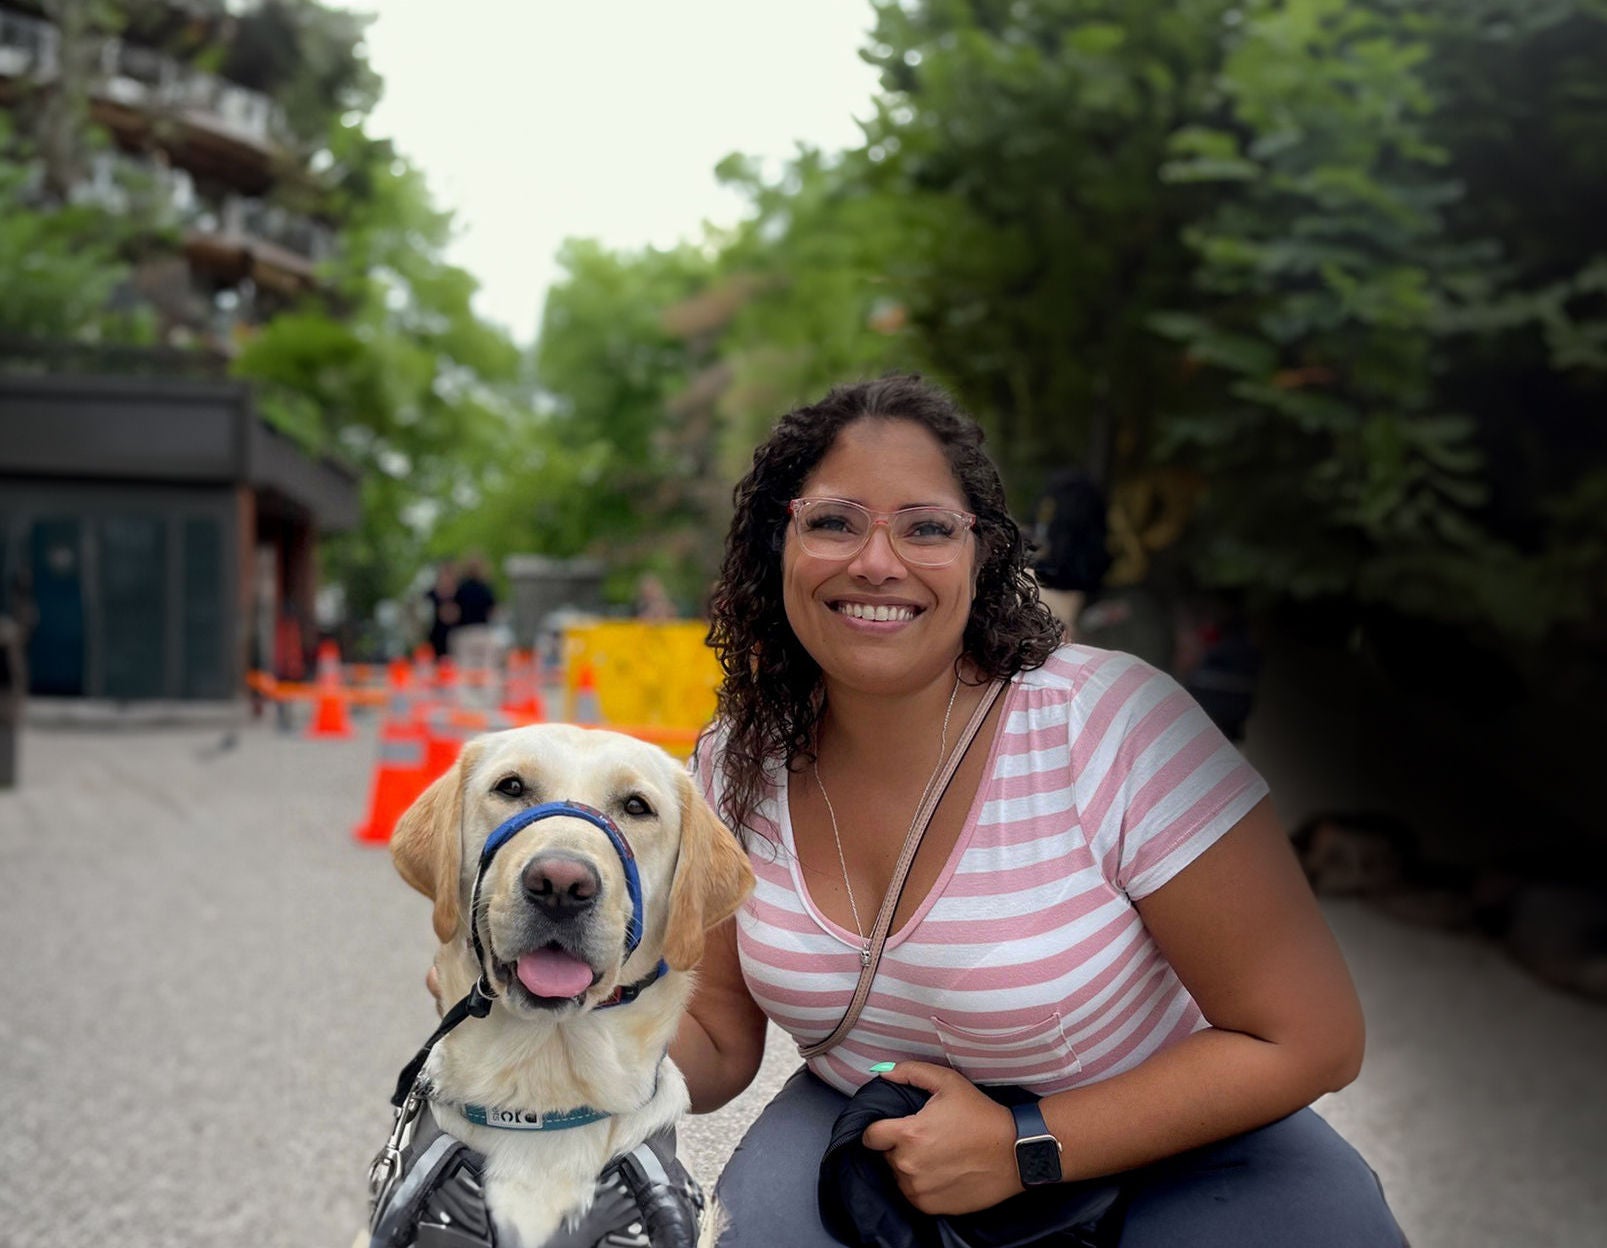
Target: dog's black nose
561, 885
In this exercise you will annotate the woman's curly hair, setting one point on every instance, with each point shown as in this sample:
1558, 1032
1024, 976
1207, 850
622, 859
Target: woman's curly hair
769, 703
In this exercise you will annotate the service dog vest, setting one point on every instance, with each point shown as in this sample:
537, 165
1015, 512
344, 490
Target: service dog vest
644, 1199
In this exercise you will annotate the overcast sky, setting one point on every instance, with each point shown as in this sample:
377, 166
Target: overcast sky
537, 120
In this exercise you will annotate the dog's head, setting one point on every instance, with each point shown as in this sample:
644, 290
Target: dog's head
555, 908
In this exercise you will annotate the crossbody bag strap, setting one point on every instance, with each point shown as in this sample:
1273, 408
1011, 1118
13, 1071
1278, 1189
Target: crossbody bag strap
901, 869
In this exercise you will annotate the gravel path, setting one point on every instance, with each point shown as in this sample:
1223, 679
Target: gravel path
209, 987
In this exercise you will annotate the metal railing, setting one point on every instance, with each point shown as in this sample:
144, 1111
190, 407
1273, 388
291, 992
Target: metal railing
209, 100
144, 79
123, 185
290, 230
29, 47
240, 216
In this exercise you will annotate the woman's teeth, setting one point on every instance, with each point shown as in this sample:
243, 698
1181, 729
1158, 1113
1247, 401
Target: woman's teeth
860, 611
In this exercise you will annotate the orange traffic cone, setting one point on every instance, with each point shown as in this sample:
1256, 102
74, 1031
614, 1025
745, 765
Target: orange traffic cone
521, 699
446, 728
441, 743
330, 715
587, 708
399, 774
403, 698
447, 689
424, 669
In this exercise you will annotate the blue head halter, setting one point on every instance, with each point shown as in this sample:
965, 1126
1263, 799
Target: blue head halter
510, 828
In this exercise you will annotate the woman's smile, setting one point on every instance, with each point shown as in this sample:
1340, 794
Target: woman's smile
875, 613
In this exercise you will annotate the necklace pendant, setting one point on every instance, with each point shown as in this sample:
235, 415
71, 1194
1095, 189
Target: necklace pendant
864, 954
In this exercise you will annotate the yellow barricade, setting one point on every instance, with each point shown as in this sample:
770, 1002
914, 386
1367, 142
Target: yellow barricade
651, 675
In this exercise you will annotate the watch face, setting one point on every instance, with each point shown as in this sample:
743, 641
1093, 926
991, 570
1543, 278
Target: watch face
1038, 1161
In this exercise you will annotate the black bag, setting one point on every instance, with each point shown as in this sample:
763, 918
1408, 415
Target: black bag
861, 1206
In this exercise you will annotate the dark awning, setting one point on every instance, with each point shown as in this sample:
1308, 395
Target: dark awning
169, 430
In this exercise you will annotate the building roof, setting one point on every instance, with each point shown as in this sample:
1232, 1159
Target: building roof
166, 430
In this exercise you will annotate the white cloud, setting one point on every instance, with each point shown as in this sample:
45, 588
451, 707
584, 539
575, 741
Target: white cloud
536, 120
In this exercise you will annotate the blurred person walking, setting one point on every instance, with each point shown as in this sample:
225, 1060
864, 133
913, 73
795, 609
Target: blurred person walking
653, 601
472, 643
443, 609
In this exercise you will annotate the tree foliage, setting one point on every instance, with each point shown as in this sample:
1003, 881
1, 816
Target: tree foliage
1328, 275
59, 265
1031, 135
1267, 254
1353, 282
391, 368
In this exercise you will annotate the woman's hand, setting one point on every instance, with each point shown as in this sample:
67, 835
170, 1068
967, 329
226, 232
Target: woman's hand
957, 1154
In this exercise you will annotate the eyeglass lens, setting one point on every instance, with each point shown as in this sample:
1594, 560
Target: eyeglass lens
832, 529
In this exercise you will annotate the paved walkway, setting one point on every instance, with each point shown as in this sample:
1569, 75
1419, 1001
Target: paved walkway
209, 987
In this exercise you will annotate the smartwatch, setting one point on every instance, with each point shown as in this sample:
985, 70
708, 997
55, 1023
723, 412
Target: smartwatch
1037, 1152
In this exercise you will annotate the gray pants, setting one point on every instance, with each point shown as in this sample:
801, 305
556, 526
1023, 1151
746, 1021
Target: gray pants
1293, 1184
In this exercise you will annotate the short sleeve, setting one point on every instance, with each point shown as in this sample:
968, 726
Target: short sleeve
1156, 782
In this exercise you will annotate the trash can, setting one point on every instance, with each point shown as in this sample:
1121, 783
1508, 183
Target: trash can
13, 689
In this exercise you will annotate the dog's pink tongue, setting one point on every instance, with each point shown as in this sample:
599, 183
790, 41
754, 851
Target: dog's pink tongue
549, 973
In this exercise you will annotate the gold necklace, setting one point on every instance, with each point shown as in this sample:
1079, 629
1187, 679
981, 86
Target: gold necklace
942, 751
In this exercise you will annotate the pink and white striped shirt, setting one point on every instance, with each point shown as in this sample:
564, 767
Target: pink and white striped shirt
1027, 962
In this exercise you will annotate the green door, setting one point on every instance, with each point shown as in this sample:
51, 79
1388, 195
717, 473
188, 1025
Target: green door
56, 645
133, 607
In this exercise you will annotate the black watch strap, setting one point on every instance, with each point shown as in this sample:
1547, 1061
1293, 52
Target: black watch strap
1037, 1151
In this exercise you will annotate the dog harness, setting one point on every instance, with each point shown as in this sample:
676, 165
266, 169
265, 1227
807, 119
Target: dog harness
426, 1187
644, 1199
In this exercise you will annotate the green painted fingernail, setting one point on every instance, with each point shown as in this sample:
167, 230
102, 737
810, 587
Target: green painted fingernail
881, 1068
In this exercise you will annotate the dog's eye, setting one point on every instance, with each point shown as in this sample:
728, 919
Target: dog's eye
637, 805
511, 786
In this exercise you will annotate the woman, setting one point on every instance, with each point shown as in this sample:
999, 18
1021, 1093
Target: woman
1104, 908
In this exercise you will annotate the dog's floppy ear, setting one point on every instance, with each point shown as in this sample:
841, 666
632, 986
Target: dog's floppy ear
427, 845
712, 876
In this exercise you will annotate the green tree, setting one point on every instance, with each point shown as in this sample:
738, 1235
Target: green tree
307, 57
819, 263
1309, 200
61, 263
391, 369
1522, 113
1344, 459
1025, 140
602, 467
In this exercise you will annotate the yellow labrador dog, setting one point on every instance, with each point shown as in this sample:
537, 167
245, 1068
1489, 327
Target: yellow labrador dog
575, 873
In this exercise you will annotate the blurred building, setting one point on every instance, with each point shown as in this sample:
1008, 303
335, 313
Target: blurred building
544, 591
210, 158
157, 531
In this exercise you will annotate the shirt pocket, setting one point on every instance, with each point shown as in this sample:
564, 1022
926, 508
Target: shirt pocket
1035, 1054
